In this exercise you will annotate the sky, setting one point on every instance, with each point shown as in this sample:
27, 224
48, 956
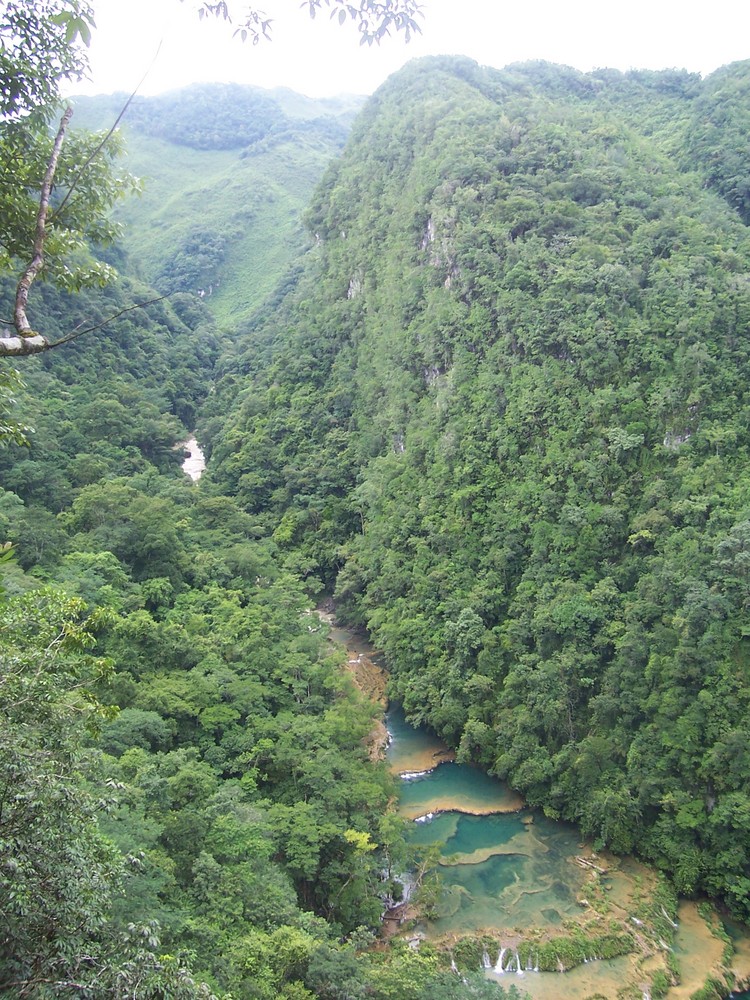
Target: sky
321, 59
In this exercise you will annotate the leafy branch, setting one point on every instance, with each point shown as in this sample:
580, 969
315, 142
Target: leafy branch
374, 18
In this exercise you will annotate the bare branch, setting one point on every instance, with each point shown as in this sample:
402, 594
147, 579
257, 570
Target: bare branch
107, 137
16, 347
21, 346
20, 320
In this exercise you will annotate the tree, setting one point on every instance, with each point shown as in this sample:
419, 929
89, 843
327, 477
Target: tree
58, 873
37, 52
374, 18
55, 190
51, 207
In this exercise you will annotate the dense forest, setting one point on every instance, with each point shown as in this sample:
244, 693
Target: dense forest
230, 821
504, 418
188, 807
497, 411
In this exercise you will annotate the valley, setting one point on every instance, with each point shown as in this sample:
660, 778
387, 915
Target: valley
469, 363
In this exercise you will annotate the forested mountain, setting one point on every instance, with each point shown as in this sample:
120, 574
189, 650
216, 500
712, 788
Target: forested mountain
191, 784
504, 415
225, 173
187, 801
497, 411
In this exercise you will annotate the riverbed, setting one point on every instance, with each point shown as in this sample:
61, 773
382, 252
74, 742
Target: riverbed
512, 875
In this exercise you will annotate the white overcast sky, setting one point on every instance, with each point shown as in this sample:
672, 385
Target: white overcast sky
319, 58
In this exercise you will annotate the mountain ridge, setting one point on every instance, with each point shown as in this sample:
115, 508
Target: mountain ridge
226, 171
504, 415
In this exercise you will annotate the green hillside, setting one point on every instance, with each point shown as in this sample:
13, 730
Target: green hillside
493, 401
505, 416
184, 758
226, 172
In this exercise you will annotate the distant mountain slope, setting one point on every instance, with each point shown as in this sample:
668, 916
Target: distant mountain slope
226, 173
506, 413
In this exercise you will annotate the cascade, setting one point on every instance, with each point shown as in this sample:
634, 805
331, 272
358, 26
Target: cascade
672, 922
195, 461
518, 839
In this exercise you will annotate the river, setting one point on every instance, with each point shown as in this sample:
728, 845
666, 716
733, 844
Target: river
513, 878
195, 462
511, 875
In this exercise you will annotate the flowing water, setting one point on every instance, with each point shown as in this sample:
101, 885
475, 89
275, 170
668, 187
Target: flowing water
195, 462
512, 874
507, 869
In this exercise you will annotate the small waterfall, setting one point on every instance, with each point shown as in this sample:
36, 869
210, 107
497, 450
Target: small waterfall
454, 967
499, 964
195, 463
427, 818
486, 962
519, 967
672, 922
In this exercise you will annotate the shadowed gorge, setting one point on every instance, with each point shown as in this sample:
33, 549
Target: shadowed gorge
504, 416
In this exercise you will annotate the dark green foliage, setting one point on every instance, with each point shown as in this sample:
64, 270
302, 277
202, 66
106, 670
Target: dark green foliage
244, 795
718, 143
501, 409
713, 989
505, 409
196, 265
204, 116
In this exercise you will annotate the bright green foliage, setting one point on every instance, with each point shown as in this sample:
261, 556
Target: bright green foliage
412, 975
59, 875
37, 51
504, 412
226, 172
37, 54
56, 186
245, 794
501, 409
57, 871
